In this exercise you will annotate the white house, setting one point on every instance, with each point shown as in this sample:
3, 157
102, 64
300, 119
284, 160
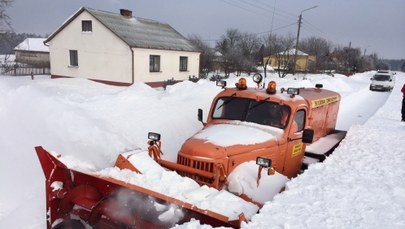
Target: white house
120, 49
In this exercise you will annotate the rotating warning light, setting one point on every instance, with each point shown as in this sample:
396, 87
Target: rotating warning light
241, 84
271, 87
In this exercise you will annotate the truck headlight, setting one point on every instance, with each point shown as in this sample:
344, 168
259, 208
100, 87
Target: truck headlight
264, 162
153, 136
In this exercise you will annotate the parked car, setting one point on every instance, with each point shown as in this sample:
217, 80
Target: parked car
383, 80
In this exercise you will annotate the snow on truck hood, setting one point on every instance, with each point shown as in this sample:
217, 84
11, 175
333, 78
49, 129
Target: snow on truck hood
238, 133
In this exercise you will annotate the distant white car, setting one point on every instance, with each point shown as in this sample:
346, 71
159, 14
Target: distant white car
383, 80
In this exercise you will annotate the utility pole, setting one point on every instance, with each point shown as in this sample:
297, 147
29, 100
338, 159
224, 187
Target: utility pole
298, 37
296, 43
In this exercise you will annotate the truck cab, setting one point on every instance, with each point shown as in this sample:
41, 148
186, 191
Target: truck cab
246, 123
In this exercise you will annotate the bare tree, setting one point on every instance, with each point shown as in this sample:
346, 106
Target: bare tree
271, 47
227, 46
5, 21
206, 57
320, 48
284, 55
249, 46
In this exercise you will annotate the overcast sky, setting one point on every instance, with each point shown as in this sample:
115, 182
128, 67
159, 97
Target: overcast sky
374, 26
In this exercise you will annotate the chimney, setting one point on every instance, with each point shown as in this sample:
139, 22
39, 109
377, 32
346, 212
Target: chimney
126, 13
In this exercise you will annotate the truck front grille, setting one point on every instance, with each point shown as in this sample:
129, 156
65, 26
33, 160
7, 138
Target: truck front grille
196, 164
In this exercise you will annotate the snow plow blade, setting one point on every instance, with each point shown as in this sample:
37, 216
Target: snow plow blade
105, 202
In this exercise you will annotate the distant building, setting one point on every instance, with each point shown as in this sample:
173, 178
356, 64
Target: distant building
119, 49
282, 59
33, 52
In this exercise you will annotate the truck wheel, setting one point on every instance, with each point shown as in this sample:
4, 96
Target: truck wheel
70, 224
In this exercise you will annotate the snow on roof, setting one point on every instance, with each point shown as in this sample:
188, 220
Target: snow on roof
32, 44
137, 32
291, 52
143, 33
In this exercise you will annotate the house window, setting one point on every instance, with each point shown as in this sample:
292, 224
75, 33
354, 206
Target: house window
87, 26
183, 63
284, 62
154, 63
74, 60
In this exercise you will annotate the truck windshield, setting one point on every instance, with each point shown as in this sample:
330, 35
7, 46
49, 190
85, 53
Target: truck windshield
249, 110
381, 77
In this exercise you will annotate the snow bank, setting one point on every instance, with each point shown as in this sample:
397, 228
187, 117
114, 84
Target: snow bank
94, 123
359, 186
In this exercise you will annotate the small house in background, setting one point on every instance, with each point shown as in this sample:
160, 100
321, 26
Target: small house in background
119, 49
32, 52
280, 60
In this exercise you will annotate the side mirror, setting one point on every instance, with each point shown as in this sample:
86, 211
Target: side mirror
308, 136
200, 116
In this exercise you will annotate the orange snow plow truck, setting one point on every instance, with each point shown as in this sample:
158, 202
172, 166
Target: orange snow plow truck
280, 130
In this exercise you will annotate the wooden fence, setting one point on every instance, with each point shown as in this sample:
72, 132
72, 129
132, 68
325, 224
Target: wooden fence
19, 70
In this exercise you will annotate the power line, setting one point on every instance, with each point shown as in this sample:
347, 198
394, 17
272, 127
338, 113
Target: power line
269, 31
258, 9
278, 28
279, 11
237, 6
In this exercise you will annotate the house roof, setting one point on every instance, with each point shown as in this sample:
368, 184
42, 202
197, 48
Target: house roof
33, 45
292, 52
137, 32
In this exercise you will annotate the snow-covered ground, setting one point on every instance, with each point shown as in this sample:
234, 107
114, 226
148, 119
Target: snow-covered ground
359, 186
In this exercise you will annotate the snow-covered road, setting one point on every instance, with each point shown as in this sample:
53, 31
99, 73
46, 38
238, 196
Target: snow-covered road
94, 123
358, 107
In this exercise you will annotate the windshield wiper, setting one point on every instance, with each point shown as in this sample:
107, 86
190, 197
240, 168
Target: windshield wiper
259, 103
228, 100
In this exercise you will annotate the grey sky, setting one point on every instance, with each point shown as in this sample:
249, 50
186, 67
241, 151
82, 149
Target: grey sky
375, 26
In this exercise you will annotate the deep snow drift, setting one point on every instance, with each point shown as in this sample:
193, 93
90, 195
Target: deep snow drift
358, 186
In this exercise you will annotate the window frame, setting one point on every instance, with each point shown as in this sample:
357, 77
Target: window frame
250, 110
154, 63
297, 115
183, 66
87, 26
73, 58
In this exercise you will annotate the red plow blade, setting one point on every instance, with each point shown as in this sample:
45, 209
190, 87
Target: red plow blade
105, 202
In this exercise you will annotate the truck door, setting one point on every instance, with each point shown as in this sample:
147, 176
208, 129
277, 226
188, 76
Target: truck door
295, 148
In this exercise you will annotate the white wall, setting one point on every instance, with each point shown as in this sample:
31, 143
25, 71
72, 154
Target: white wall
101, 54
169, 65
